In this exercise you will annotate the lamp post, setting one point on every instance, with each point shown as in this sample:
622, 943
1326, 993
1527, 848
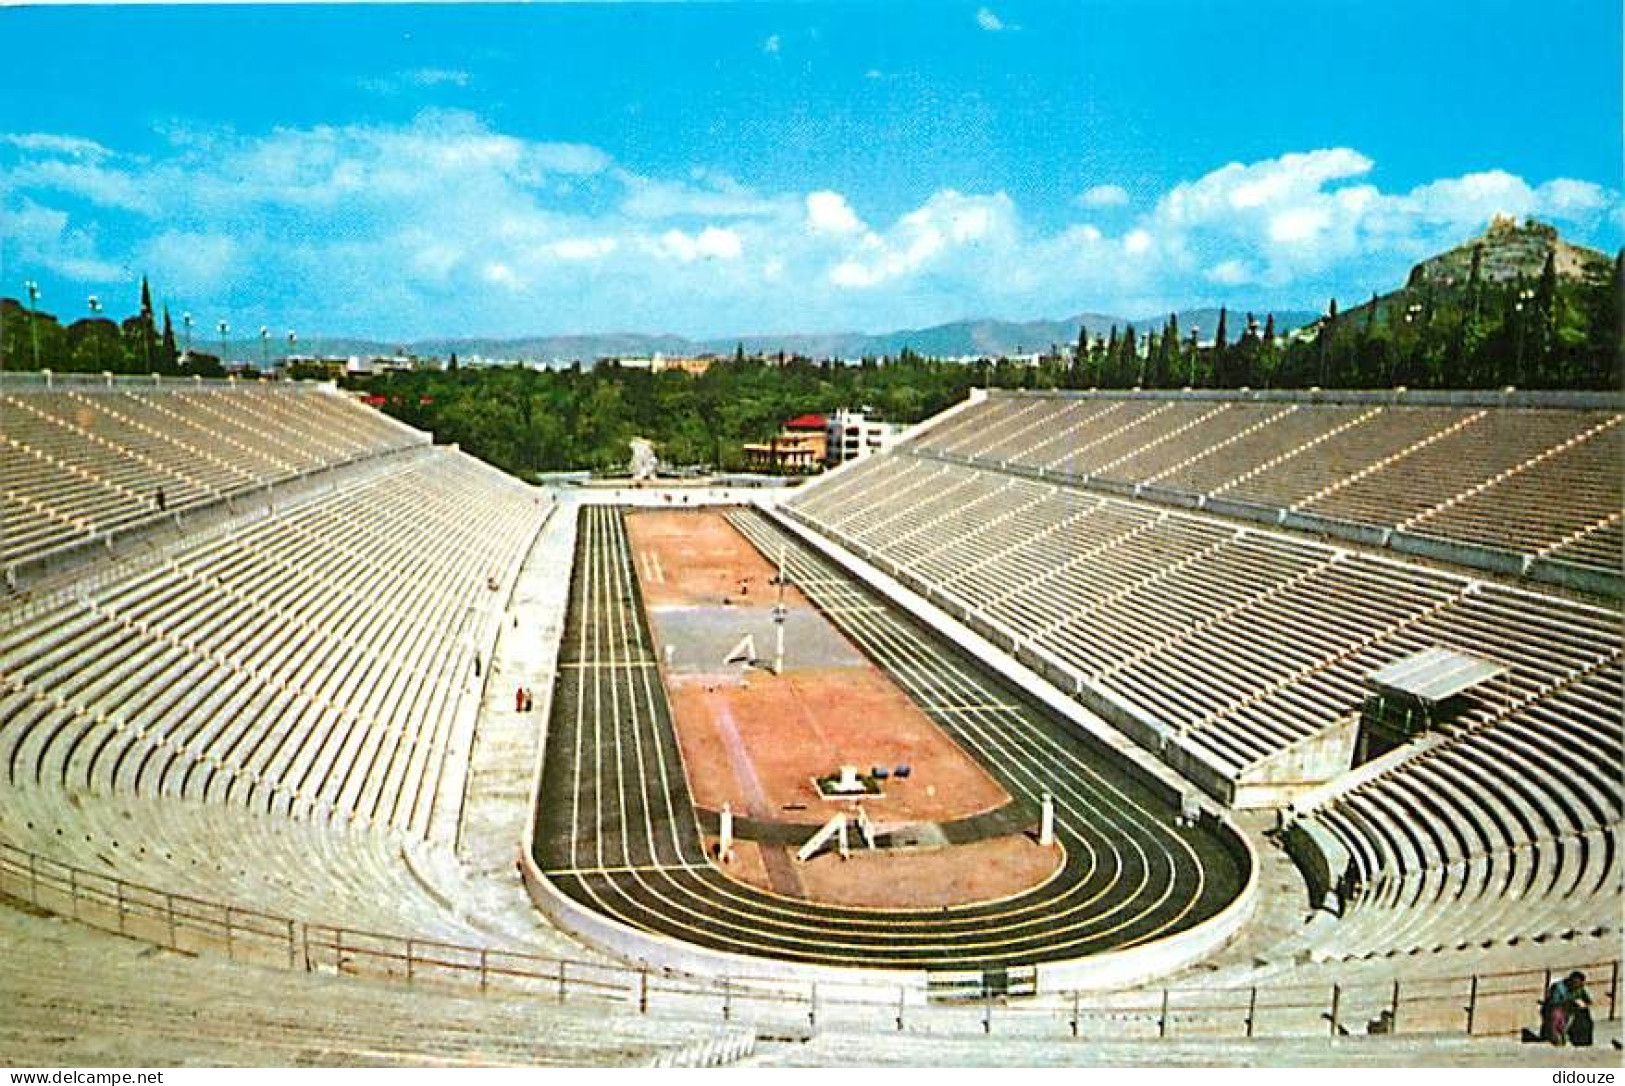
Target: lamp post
186, 325
265, 348
33, 315
95, 305
1407, 349
1525, 296
293, 342
1190, 381
224, 328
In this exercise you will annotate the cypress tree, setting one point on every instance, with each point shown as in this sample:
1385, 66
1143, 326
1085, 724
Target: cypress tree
1608, 323
1474, 278
1323, 340
1164, 373
1546, 302
149, 332
171, 356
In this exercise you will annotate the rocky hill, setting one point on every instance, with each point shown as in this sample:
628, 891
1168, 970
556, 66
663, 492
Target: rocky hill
1510, 250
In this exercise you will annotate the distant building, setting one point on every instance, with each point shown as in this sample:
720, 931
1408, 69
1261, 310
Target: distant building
695, 366
852, 435
660, 363
801, 446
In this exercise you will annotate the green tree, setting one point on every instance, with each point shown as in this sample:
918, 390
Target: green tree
170, 356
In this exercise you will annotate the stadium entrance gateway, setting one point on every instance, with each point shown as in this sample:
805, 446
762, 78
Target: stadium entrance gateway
1418, 693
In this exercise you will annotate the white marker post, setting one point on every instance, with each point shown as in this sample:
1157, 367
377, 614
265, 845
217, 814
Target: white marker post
834, 828
1046, 824
725, 847
778, 620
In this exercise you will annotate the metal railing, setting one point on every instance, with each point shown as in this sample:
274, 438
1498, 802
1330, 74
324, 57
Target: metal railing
1484, 1004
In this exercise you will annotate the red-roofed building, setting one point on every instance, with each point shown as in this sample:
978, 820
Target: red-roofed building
799, 447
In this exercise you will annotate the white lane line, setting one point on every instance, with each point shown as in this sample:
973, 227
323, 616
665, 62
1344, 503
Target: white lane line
625, 869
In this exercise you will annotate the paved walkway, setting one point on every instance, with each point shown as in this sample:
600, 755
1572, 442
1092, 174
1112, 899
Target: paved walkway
503, 764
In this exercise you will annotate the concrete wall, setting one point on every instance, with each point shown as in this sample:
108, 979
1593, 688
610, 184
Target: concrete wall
1321, 858
1300, 766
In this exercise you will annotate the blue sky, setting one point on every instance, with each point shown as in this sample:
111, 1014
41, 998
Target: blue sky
709, 169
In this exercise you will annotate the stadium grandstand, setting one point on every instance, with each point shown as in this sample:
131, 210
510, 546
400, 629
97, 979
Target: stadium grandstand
1302, 711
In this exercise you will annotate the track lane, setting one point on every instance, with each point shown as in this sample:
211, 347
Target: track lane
1128, 878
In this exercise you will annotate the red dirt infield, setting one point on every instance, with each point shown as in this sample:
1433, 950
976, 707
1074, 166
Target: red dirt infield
755, 740
758, 746
694, 559
931, 878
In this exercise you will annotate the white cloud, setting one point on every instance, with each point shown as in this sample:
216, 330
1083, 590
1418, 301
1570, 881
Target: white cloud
582, 248
50, 144
443, 225
194, 263
1313, 217
435, 77
566, 158
829, 213
1103, 196
499, 274
41, 236
416, 78
1229, 273
987, 20
712, 243
948, 221
91, 178
707, 196
1570, 199
771, 45
1298, 224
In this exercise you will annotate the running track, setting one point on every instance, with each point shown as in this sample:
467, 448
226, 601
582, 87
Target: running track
617, 830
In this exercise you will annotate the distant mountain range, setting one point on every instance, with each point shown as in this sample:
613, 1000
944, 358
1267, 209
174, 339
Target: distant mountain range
958, 339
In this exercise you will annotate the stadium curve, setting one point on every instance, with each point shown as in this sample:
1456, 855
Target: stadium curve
617, 838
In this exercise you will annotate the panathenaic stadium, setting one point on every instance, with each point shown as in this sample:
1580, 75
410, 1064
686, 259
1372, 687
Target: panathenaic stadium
1131, 728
